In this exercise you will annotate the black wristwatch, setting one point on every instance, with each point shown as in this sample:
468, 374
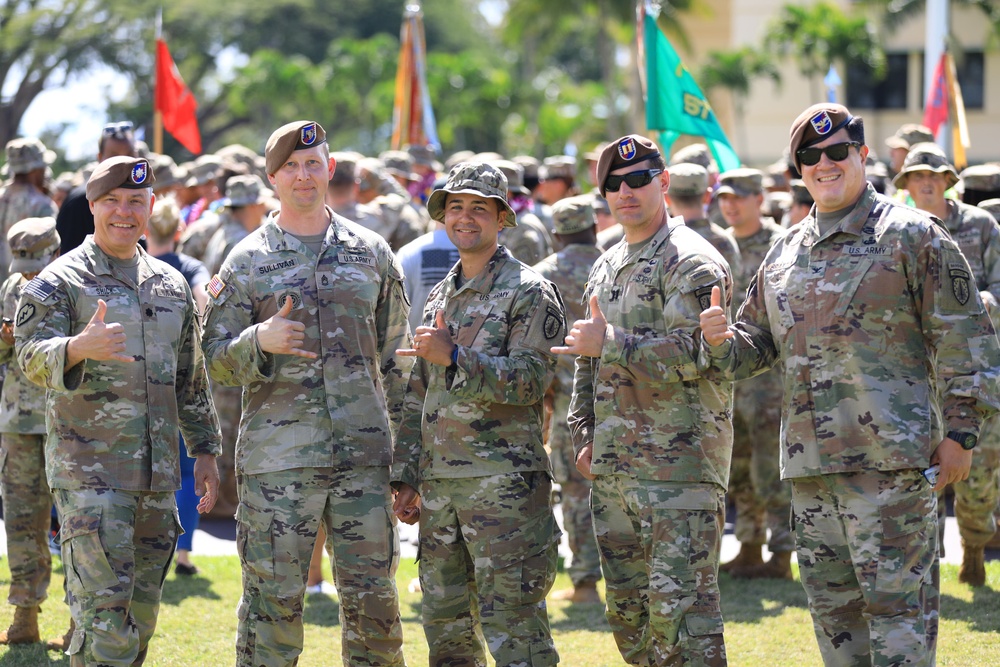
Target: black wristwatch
967, 440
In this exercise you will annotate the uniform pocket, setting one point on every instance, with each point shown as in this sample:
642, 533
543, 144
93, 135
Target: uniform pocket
83, 550
524, 564
909, 544
253, 540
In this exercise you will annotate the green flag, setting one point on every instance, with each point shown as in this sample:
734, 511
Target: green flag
675, 104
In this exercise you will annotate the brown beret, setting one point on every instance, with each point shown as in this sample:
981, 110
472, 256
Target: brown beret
122, 171
630, 149
300, 135
815, 124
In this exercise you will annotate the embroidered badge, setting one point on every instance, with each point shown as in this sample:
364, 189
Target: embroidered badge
294, 296
307, 136
960, 284
39, 289
26, 312
822, 123
704, 296
553, 323
139, 173
626, 148
215, 286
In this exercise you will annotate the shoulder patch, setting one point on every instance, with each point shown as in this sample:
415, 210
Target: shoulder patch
215, 286
959, 284
39, 289
24, 314
553, 323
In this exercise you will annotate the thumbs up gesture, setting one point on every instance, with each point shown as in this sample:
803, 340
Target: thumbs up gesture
99, 341
586, 337
280, 335
714, 327
432, 343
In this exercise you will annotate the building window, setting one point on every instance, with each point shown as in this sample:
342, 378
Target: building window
864, 91
971, 69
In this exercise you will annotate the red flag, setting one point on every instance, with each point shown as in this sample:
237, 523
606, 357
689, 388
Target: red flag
175, 101
936, 109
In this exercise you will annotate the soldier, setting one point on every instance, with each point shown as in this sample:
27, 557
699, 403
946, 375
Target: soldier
568, 270
24, 196
762, 499
980, 183
242, 213
529, 241
471, 439
687, 197
927, 174
425, 261
556, 179
27, 502
400, 219
900, 142
107, 320
802, 203
867, 304
306, 314
653, 434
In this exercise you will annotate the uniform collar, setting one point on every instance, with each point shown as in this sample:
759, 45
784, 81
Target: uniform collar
101, 263
482, 283
277, 239
852, 223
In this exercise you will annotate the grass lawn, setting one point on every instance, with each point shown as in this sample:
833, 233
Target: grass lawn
767, 623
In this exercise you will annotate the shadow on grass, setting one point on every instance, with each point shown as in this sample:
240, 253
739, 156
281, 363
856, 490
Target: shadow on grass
750, 600
321, 610
178, 589
32, 655
975, 612
570, 617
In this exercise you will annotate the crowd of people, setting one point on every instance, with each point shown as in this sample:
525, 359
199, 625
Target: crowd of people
322, 344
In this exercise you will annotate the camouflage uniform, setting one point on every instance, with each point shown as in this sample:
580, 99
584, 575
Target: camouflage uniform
27, 501
529, 242
17, 202
111, 451
229, 232
471, 444
321, 426
722, 242
978, 236
863, 317
762, 498
569, 269
197, 235
662, 439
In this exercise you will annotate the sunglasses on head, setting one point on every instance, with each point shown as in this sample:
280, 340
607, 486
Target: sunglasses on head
836, 152
118, 129
635, 179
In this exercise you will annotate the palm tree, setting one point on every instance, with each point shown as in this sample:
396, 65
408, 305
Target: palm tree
894, 13
735, 71
819, 36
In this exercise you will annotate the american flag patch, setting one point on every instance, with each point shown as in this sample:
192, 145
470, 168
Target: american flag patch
215, 286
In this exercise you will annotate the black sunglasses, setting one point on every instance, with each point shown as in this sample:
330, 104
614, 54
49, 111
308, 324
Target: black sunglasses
836, 152
635, 179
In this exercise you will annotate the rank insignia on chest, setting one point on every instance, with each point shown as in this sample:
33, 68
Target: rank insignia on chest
960, 284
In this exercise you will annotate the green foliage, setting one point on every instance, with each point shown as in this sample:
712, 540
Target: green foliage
767, 623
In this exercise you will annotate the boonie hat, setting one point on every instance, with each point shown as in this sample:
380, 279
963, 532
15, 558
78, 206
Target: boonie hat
573, 214
295, 136
624, 152
474, 178
687, 179
121, 171
926, 157
32, 241
245, 190
27, 154
814, 125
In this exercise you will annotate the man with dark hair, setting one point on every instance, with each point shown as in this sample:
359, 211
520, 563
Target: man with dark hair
871, 308
75, 219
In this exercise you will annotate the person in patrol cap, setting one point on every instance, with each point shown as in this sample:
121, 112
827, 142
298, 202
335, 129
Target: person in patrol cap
688, 196
107, 319
302, 308
469, 460
556, 179
885, 349
980, 182
27, 501
24, 196
530, 241
568, 269
653, 434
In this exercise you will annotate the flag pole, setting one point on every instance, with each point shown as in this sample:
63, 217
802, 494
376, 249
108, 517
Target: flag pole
157, 114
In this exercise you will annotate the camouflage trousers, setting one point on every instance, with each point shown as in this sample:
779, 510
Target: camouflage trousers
27, 508
488, 550
867, 553
762, 498
277, 522
660, 546
116, 548
977, 497
578, 520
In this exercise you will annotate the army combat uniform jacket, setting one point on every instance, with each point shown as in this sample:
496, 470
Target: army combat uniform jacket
341, 409
114, 424
644, 404
23, 409
483, 416
863, 317
978, 236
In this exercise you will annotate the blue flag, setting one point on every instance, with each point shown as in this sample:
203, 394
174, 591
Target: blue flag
675, 104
